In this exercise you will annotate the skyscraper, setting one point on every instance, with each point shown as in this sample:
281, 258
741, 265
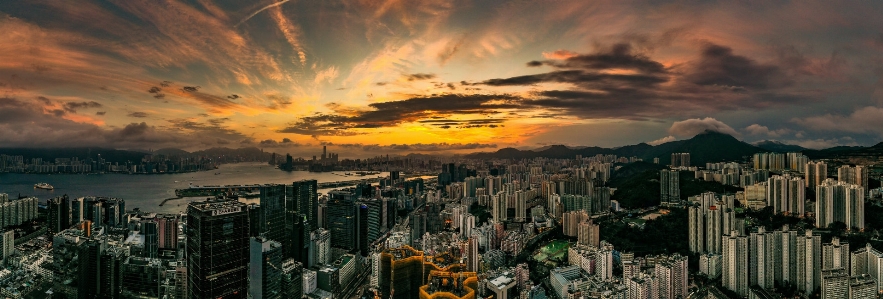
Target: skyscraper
856, 175
297, 234
835, 283
670, 188
673, 277
7, 245
840, 201
59, 214
265, 269
499, 208
786, 194
680, 160
320, 247
763, 258
735, 263
589, 233
342, 219
472, 256
809, 264
272, 223
835, 254
292, 279
816, 173
304, 198
217, 249
168, 231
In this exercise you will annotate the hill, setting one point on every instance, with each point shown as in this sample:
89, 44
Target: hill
706, 147
775, 146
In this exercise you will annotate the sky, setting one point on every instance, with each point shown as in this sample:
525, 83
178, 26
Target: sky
436, 76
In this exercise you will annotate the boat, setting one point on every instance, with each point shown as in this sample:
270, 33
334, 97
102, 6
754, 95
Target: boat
43, 186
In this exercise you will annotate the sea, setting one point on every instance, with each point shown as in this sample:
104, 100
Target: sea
147, 191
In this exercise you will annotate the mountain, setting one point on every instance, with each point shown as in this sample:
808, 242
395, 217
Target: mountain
171, 152
775, 146
708, 146
705, 147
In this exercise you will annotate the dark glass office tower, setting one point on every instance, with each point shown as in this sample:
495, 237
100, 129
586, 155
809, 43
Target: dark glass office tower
89, 274
297, 232
59, 214
273, 210
362, 237
292, 279
265, 269
150, 231
217, 249
305, 199
342, 219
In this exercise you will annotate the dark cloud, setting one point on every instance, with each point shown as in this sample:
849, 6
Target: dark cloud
74, 106
419, 76
45, 100
101, 113
138, 114
389, 114
416, 147
462, 124
717, 65
284, 143
650, 90
620, 56
211, 128
584, 78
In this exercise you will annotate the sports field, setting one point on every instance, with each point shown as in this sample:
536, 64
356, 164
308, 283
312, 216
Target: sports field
555, 250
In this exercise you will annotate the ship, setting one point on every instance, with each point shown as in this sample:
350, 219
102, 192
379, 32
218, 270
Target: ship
43, 186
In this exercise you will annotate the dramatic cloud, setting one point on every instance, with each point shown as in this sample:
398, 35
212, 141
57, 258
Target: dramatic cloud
718, 66
74, 106
364, 72
390, 114
662, 140
694, 126
864, 120
419, 76
416, 147
284, 143
756, 129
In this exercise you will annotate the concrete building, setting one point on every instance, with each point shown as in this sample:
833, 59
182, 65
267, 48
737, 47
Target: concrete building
835, 255
673, 276
735, 263
840, 201
809, 264
670, 187
835, 283
711, 265
816, 173
589, 234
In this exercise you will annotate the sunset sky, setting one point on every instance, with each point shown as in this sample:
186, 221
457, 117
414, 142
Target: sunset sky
436, 76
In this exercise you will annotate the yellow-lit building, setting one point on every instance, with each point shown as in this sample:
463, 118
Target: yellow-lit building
450, 285
405, 273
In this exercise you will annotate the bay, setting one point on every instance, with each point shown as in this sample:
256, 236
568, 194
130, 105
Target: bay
148, 191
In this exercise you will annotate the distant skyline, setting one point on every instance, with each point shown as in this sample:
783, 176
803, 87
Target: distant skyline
438, 76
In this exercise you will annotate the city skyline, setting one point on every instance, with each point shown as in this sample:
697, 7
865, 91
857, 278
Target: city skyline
436, 76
